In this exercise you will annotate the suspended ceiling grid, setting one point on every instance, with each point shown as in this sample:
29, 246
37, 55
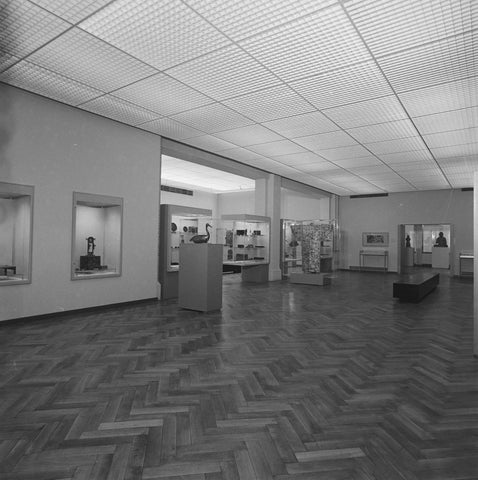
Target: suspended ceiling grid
350, 96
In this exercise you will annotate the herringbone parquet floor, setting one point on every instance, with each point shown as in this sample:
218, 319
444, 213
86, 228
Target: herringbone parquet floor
287, 382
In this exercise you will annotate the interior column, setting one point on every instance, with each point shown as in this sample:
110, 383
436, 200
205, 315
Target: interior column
267, 203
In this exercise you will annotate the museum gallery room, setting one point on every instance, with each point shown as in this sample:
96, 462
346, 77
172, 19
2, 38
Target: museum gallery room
237, 239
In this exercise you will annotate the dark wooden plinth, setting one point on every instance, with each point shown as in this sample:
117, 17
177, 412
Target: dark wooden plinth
412, 288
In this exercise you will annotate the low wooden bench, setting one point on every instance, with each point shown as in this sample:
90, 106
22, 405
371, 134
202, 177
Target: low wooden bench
413, 287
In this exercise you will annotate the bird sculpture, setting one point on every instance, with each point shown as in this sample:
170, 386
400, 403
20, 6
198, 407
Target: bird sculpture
202, 238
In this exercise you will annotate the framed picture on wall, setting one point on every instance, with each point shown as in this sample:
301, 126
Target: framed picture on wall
375, 239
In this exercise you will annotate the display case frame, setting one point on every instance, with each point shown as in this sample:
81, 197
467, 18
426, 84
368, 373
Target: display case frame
97, 224
245, 239
170, 238
308, 246
16, 233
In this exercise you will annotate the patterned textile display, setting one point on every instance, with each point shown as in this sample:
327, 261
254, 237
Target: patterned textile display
311, 237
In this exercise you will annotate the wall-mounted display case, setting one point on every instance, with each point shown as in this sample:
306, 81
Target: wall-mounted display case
245, 239
179, 225
16, 229
308, 246
97, 236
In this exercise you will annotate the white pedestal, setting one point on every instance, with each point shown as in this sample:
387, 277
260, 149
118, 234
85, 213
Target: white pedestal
200, 277
441, 257
409, 256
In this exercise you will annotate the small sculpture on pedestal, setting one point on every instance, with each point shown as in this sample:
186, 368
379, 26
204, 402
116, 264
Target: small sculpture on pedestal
90, 261
202, 238
407, 241
90, 248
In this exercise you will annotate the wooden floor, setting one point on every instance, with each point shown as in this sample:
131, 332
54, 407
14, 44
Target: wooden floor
288, 382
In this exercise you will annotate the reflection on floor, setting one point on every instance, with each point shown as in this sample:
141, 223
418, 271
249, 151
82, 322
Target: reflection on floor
286, 382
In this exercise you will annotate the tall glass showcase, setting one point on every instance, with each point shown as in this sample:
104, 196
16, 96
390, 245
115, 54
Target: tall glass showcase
245, 239
16, 228
96, 236
307, 246
180, 225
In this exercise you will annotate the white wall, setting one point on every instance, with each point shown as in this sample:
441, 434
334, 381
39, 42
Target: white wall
199, 199
300, 206
59, 149
237, 202
384, 214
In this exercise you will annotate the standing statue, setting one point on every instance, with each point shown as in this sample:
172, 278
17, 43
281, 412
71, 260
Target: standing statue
90, 249
407, 241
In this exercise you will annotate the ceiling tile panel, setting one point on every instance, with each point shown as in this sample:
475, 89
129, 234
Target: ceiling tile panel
7, 60
383, 131
463, 165
48, 84
355, 83
447, 121
302, 125
324, 141
432, 64
212, 118
343, 153
351, 163
282, 147
314, 44
163, 94
239, 20
241, 154
455, 151
370, 112
395, 146
389, 27
223, 74
454, 137
404, 157
323, 166
270, 104
297, 159
441, 98
72, 10
369, 169
24, 27
210, 143
415, 166
118, 109
171, 129
250, 135
162, 33
86, 59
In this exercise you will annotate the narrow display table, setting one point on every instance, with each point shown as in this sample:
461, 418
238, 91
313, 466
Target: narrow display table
466, 258
374, 253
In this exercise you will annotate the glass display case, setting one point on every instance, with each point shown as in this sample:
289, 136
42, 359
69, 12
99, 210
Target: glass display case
186, 227
97, 236
307, 246
16, 227
180, 225
245, 238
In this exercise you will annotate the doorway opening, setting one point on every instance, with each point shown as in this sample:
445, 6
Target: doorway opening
424, 246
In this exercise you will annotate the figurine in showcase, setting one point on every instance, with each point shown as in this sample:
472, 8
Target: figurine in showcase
90, 249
